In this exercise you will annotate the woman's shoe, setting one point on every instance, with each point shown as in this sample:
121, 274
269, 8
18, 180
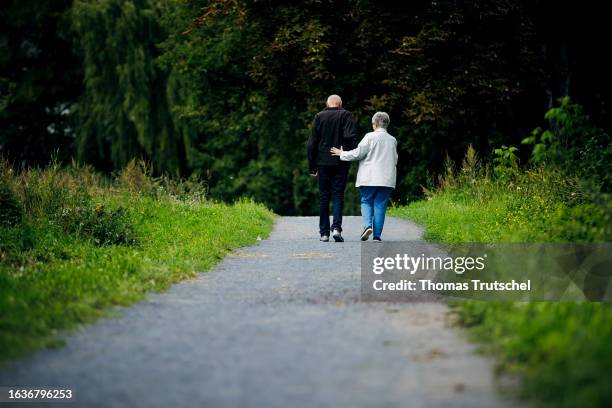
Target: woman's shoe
324, 238
367, 231
377, 239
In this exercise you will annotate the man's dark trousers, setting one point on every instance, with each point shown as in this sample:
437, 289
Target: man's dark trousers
332, 183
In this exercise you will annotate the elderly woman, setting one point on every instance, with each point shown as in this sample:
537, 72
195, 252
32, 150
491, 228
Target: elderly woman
377, 155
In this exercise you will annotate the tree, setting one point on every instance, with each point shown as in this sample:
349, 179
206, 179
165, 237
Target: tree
227, 89
449, 73
40, 78
123, 112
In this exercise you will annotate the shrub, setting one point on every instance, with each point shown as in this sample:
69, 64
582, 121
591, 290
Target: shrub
506, 162
105, 226
70, 197
571, 143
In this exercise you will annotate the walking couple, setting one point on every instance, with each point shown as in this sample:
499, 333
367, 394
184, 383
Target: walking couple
331, 147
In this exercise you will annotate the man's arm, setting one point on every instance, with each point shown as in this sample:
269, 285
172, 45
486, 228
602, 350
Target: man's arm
350, 133
313, 145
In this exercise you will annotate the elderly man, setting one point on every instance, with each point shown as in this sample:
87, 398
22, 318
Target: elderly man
377, 155
332, 127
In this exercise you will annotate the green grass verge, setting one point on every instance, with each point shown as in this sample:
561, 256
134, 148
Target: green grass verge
561, 351
52, 279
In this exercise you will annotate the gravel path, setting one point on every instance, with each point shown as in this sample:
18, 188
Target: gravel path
278, 324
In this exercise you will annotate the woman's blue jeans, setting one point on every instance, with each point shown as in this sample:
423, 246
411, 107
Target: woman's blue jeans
374, 201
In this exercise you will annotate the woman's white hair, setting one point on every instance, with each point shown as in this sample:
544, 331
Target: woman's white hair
381, 119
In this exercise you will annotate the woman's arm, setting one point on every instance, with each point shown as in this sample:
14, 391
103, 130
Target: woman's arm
358, 153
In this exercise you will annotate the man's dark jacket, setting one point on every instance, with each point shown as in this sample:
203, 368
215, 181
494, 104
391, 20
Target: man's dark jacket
332, 127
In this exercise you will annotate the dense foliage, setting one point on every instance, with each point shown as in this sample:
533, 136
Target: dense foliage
226, 89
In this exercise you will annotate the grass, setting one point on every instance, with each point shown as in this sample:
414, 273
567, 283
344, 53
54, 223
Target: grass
561, 351
73, 244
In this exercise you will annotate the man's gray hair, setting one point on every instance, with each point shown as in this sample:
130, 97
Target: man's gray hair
381, 119
334, 100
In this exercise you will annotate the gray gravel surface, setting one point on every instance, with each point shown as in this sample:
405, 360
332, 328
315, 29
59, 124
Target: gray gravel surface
278, 324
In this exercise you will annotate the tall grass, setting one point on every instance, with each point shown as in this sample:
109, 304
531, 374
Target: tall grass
561, 351
73, 243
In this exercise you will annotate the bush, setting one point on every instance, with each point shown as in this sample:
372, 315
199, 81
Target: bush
506, 162
572, 144
105, 226
69, 197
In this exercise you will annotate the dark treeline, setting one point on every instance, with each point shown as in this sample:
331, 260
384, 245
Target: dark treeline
227, 89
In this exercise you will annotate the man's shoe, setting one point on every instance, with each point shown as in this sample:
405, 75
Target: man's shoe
377, 239
367, 231
324, 238
337, 236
